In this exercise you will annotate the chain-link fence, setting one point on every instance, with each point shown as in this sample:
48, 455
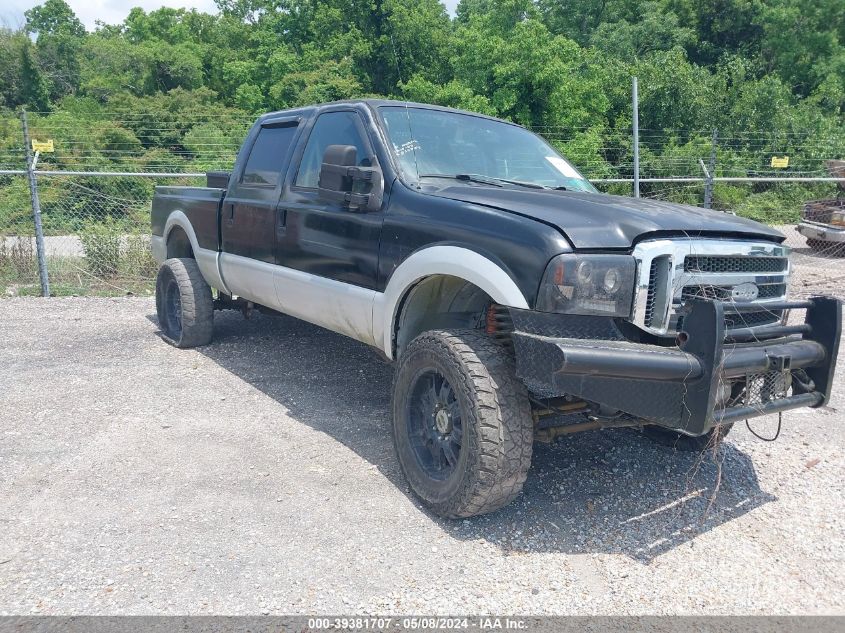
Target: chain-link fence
96, 187
95, 184
97, 230
96, 233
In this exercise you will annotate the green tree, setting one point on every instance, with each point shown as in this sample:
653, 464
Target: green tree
12, 80
59, 39
579, 19
655, 29
52, 18
526, 73
35, 88
723, 27
769, 74
803, 42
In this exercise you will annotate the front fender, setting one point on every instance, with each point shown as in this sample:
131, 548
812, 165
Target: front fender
455, 261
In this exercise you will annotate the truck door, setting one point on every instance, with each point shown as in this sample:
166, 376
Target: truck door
325, 238
327, 254
248, 219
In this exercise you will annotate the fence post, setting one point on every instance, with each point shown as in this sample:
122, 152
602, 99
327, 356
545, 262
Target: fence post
635, 106
36, 209
711, 172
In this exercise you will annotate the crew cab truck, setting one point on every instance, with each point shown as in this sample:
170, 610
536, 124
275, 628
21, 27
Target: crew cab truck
517, 302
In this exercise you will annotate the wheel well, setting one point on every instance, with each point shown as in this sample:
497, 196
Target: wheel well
178, 244
439, 302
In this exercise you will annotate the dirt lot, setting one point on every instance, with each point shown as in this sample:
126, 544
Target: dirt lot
257, 475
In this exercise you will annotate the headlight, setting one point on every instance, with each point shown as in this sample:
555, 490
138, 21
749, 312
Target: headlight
837, 218
588, 284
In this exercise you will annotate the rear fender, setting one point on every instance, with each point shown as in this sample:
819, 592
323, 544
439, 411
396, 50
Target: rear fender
207, 260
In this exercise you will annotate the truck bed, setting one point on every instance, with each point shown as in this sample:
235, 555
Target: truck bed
201, 205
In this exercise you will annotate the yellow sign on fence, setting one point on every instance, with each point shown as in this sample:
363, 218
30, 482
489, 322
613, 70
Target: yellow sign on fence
43, 146
780, 162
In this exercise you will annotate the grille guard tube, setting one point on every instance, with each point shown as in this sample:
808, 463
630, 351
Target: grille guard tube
676, 387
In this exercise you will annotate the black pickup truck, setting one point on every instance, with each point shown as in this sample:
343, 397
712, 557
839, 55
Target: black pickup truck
518, 302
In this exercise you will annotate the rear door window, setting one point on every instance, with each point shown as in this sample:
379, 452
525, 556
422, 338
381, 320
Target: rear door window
269, 155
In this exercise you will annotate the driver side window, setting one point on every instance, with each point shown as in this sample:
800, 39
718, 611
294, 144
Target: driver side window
331, 128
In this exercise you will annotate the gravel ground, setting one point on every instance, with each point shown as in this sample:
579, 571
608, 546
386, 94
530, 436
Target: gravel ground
257, 475
815, 272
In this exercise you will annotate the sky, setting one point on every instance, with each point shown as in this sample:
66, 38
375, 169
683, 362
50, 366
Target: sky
114, 11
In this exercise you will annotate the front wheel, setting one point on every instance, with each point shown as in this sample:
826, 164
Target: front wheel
462, 423
184, 305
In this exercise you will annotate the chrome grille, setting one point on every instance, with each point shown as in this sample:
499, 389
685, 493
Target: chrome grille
721, 264
649, 301
671, 272
753, 319
723, 293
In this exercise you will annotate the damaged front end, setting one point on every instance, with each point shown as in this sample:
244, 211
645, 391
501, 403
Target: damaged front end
711, 375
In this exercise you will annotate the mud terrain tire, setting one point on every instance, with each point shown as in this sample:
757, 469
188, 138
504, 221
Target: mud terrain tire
183, 304
455, 393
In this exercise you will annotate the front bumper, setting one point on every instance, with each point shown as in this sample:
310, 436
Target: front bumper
783, 367
824, 232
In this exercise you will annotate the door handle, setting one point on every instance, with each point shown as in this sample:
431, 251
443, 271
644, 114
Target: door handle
230, 221
281, 223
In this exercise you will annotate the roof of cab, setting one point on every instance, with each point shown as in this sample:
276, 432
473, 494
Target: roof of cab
373, 104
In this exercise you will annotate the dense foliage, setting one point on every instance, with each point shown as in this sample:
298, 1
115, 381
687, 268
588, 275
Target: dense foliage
174, 89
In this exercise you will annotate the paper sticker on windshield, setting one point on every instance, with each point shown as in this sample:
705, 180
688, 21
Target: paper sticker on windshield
563, 167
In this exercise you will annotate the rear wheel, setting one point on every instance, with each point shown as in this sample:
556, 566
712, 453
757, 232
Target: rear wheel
686, 443
183, 303
462, 423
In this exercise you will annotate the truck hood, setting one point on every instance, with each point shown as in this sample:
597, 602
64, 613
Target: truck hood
596, 220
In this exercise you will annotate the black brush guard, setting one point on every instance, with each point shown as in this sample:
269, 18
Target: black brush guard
677, 387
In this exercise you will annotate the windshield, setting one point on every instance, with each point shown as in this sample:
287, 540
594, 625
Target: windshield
435, 143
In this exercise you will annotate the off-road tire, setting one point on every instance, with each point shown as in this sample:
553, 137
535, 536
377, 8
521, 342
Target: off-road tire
498, 430
181, 277
686, 443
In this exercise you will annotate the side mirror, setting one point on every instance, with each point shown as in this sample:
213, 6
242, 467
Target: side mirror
339, 175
